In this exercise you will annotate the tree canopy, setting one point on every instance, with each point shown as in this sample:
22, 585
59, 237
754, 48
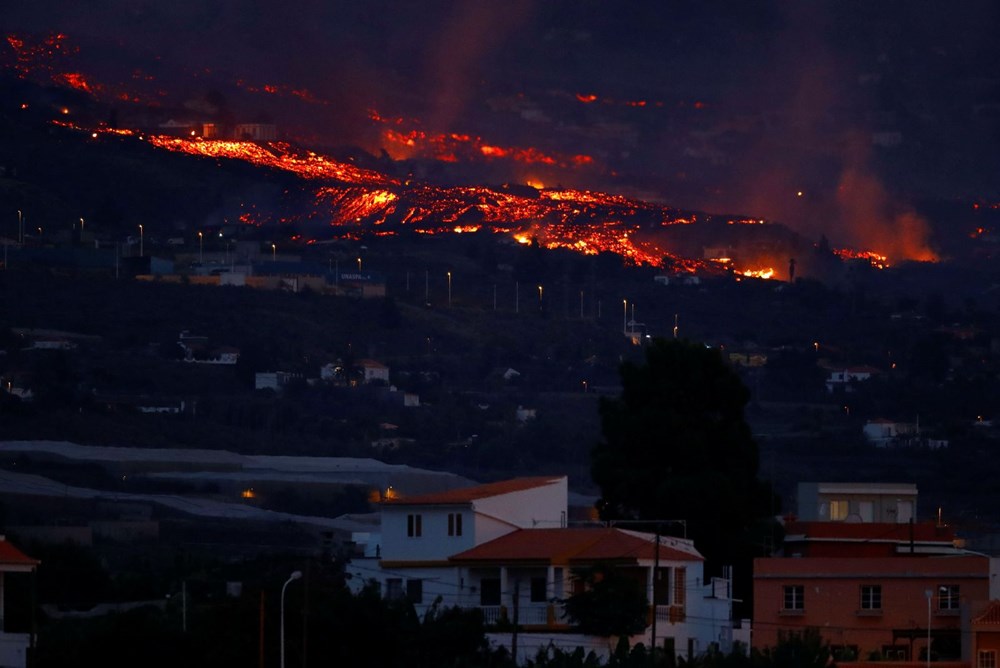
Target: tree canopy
610, 604
676, 446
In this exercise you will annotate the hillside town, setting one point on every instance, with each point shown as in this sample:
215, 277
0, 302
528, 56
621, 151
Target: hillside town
499, 335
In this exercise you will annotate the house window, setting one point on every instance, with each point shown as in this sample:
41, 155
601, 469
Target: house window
414, 526
415, 591
839, 509
454, 524
987, 658
794, 597
895, 652
680, 586
489, 591
661, 587
539, 590
871, 597
948, 597
394, 589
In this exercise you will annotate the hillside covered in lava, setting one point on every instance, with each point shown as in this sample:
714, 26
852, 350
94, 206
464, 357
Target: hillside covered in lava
827, 119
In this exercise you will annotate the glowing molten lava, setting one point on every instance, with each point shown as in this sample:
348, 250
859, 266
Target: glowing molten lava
876, 260
352, 200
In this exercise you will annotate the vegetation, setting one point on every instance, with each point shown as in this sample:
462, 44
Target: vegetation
610, 603
676, 446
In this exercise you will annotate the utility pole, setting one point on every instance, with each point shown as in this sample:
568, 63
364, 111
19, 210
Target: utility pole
656, 574
514, 620
260, 648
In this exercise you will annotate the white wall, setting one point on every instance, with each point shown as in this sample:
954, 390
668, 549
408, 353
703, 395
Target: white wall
537, 508
434, 543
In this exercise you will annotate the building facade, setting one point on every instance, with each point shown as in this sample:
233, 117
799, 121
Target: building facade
506, 550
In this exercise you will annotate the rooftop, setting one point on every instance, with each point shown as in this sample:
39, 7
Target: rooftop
564, 546
470, 494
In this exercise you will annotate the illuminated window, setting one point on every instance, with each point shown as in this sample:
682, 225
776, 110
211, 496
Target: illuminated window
414, 526
454, 524
794, 597
871, 597
948, 597
987, 659
839, 509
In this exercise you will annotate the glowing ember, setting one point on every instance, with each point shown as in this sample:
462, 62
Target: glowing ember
409, 142
876, 260
758, 273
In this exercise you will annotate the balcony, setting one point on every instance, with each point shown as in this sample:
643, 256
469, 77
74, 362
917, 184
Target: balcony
527, 615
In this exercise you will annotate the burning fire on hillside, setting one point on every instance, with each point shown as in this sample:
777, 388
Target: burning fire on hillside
351, 200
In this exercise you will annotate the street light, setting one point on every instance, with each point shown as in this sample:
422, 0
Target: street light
291, 578
274, 253
624, 315
20, 227
449, 288
201, 248
140, 241
359, 265
929, 594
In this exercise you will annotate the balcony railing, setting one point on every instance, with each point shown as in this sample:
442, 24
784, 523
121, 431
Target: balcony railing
526, 614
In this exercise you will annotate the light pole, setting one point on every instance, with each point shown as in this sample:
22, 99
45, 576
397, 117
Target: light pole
291, 578
624, 316
929, 594
359, 264
140, 241
201, 248
20, 227
274, 253
449, 288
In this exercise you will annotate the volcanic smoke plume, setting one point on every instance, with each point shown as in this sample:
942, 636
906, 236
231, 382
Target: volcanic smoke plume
870, 218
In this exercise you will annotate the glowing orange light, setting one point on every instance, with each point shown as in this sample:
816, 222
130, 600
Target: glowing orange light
759, 273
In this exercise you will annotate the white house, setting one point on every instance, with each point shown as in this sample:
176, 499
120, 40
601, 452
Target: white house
13, 646
845, 378
884, 433
894, 503
373, 371
505, 549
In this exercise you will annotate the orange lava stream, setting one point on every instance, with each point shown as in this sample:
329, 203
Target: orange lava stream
277, 155
359, 200
876, 260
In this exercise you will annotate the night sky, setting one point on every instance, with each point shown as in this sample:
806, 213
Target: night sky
822, 115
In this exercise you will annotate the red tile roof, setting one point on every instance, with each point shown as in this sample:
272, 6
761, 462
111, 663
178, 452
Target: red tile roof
11, 556
870, 531
469, 494
563, 546
991, 615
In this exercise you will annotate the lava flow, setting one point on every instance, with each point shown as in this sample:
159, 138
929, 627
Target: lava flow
352, 200
584, 221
